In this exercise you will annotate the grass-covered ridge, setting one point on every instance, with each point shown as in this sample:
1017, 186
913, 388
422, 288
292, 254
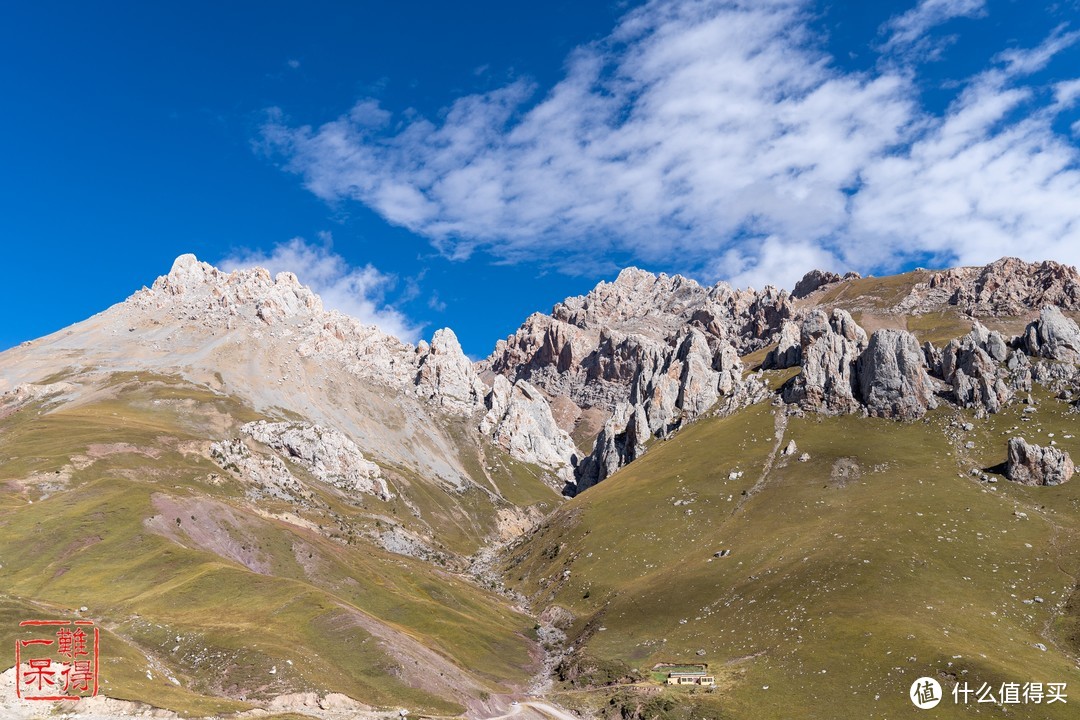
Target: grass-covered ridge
879, 560
209, 603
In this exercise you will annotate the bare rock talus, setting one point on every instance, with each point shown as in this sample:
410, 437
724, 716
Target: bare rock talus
1036, 465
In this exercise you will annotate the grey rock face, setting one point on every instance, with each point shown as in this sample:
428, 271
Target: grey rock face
892, 376
970, 365
655, 351
830, 347
1053, 336
519, 420
1057, 377
788, 351
592, 347
620, 442
672, 387
327, 454
447, 377
265, 475
676, 385
1036, 465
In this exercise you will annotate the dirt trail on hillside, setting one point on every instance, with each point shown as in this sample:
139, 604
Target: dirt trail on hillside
779, 428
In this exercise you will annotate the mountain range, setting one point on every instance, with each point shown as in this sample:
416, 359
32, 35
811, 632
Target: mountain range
822, 495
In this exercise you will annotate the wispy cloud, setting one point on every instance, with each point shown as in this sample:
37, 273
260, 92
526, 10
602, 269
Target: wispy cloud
718, 132
355, 291
908, 32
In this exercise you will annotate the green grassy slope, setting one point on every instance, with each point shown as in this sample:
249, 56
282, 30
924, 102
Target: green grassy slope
878, 561
230, 605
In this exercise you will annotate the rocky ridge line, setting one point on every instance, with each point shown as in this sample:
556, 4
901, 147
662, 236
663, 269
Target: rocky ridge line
651, 352
1008, 286
889, 375
437, 373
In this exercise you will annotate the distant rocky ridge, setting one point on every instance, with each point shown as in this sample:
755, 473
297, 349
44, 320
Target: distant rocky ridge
197, 291
640, 357
655, 351
1008, 286
592, 347
651, 351
817, 279
437, 373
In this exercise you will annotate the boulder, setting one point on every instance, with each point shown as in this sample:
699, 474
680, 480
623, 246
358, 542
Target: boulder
1036, 465
1053, 336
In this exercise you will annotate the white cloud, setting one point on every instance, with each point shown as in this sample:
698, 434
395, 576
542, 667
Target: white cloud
989, 178
908, 32
773, 262
355, 291
715, 136
1066, 93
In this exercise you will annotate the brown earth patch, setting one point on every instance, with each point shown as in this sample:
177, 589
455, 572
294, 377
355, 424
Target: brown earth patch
208, 525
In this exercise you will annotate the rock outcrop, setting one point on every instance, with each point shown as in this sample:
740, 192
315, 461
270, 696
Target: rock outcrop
264, 475
1053, 336
621, 441
830, 345
817, 279
1037, 465
892, 376
650, 352
1008, 286
677, 384
592, 347
672, 387
972, 367
446, 377
519, 420
788, 350
330, 456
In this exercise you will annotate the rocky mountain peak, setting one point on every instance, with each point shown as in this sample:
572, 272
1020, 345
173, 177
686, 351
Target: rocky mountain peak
633, 296
196, 286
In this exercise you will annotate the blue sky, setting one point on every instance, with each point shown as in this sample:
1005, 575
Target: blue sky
425, 164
